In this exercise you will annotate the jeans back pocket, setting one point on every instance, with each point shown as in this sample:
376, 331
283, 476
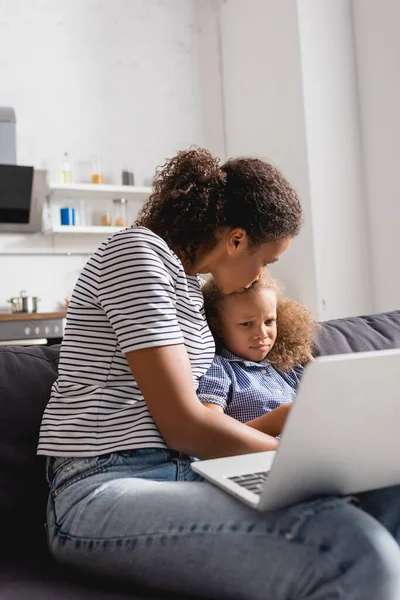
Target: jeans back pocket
64, 471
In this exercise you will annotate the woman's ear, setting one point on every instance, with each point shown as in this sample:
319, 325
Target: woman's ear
236, 241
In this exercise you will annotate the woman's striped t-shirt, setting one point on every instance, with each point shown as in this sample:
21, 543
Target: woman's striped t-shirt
132, 294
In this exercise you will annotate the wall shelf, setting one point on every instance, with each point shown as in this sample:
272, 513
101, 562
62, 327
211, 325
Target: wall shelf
73, 229
97, 199
91, 190
90, 202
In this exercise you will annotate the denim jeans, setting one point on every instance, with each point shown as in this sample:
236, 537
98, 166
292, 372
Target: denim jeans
144, 517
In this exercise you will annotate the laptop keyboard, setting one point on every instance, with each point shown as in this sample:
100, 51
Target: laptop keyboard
254, 482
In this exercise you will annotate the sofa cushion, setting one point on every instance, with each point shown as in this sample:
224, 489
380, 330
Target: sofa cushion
26, 376
359, 334
26, 578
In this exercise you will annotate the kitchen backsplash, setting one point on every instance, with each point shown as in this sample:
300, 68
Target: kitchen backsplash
51, 278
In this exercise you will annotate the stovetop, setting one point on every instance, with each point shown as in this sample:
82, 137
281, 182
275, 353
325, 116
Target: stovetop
31, 326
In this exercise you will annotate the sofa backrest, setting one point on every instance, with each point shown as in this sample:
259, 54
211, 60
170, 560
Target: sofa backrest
26, 377
359, 334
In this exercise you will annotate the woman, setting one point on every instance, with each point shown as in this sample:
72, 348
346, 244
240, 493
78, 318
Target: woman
123, 418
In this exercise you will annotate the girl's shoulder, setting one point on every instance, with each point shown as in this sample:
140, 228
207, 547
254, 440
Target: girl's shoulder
292, 377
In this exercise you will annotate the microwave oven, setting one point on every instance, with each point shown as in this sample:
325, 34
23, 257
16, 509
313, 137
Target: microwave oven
23, 192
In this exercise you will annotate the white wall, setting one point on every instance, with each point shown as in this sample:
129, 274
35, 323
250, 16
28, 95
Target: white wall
134, 80
265, 115
121, 79
290, 94
208, 16
334, 149
376, 27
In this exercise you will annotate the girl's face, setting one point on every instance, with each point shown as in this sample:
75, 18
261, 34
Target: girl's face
248, 323
234, 265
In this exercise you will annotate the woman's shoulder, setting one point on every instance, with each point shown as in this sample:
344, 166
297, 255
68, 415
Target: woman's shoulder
140, 235
142, 242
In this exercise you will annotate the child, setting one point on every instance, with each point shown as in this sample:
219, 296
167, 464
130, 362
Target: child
263, 340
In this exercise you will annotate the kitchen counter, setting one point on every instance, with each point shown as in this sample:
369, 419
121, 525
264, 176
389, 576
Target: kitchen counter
32, 316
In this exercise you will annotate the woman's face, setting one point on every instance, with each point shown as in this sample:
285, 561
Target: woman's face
235, 265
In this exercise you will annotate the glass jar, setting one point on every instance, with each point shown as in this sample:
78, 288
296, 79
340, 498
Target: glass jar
97, 173
120, 212
106, 219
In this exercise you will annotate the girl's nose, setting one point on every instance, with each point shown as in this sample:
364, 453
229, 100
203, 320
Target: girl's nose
262, 333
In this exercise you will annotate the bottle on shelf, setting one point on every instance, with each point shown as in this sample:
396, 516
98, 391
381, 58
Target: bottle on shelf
81, 214
128, 178
120, 212
66, 173
97, 175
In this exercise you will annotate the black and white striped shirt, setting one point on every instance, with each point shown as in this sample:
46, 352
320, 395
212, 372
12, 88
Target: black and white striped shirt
133, 293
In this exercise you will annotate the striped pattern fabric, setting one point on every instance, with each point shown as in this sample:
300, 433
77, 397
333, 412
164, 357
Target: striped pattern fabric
132, 294
245, 389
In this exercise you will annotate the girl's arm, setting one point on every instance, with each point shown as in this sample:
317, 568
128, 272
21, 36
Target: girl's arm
273, 422
165, 378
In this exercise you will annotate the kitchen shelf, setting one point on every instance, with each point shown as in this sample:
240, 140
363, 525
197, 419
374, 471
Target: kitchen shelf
98, 190
99, 229
99, 201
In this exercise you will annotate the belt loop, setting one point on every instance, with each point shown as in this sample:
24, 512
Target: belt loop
49, 470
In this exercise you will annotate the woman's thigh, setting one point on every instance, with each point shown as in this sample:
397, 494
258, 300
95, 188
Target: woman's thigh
188, 536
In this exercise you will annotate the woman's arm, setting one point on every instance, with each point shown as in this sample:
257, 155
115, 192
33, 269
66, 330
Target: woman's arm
165, 378
271, 423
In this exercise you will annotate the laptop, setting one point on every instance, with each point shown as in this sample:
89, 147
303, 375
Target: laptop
342, 436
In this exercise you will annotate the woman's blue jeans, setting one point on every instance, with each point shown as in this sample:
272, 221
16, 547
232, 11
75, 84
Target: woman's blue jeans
143, 516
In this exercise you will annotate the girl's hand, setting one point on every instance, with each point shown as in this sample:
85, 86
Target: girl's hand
273, 422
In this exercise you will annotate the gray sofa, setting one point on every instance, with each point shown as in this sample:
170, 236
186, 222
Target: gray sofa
27, 571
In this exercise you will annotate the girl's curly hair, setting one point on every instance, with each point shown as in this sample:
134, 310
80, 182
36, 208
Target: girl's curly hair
194, 196
296, 327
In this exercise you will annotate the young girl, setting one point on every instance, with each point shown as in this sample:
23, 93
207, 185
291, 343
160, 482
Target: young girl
263, 340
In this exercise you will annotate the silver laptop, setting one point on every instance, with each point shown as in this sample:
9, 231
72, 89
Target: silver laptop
342, 436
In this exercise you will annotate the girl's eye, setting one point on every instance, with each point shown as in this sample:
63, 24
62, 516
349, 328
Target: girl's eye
247, 324
269, 321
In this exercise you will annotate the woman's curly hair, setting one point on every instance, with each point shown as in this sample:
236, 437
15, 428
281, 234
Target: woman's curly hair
296, 327
194, 196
